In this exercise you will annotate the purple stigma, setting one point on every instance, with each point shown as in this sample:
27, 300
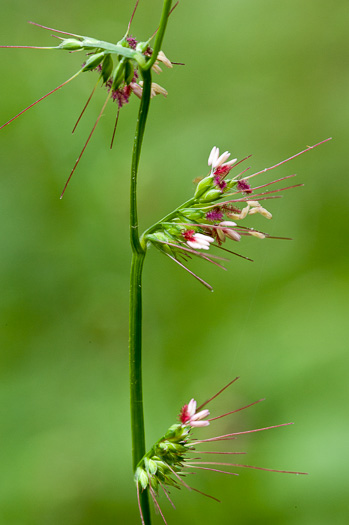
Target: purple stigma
132, 42
219, 182
121, 96
244, 186
214, 215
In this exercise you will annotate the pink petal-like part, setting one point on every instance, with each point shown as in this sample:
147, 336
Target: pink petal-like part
205, 238
232, 161
201, 415
232, 235
195, 245
199, 423
227, 223
191, 407
213, 156
225, 156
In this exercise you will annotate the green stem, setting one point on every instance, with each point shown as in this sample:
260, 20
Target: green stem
137, 146
138, 255
160, 33
137, 418
135, 321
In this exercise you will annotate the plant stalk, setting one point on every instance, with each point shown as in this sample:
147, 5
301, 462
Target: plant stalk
135, 320
160, 32
137, 418
138, 255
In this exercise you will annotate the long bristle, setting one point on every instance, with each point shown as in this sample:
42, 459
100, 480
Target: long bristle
28, 47
272, 470
233, 434
85, 107
87, 141
279, 238
51, 29
290, 158
237, 410
233, 253
40, 99
139, 506
207, 495
133, 14
249, 198
167, 495
201, 255
242, 172
275, 191
273, 182
153, 495
114, 130
192, 463
262, 196
191, 273
192, 251
216, 452
212, 470
173, 8
181, 481
218, 393
240, 162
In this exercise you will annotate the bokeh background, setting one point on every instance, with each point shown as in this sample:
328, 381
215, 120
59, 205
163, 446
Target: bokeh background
267, 78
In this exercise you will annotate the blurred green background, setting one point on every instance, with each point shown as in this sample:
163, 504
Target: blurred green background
266, 78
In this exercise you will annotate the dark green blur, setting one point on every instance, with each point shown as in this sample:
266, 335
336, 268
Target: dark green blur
267, 78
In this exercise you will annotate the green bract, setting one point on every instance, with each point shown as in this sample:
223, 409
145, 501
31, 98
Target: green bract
107, 67
165, 459
204, 185
70, 44
211, 195
93, 61
121, 48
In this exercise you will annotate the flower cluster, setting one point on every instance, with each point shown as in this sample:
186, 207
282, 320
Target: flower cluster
215, 212
171, 458
119, 66
127, 83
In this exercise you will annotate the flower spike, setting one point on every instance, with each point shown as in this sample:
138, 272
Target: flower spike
118, 66
167, 462
212, 216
